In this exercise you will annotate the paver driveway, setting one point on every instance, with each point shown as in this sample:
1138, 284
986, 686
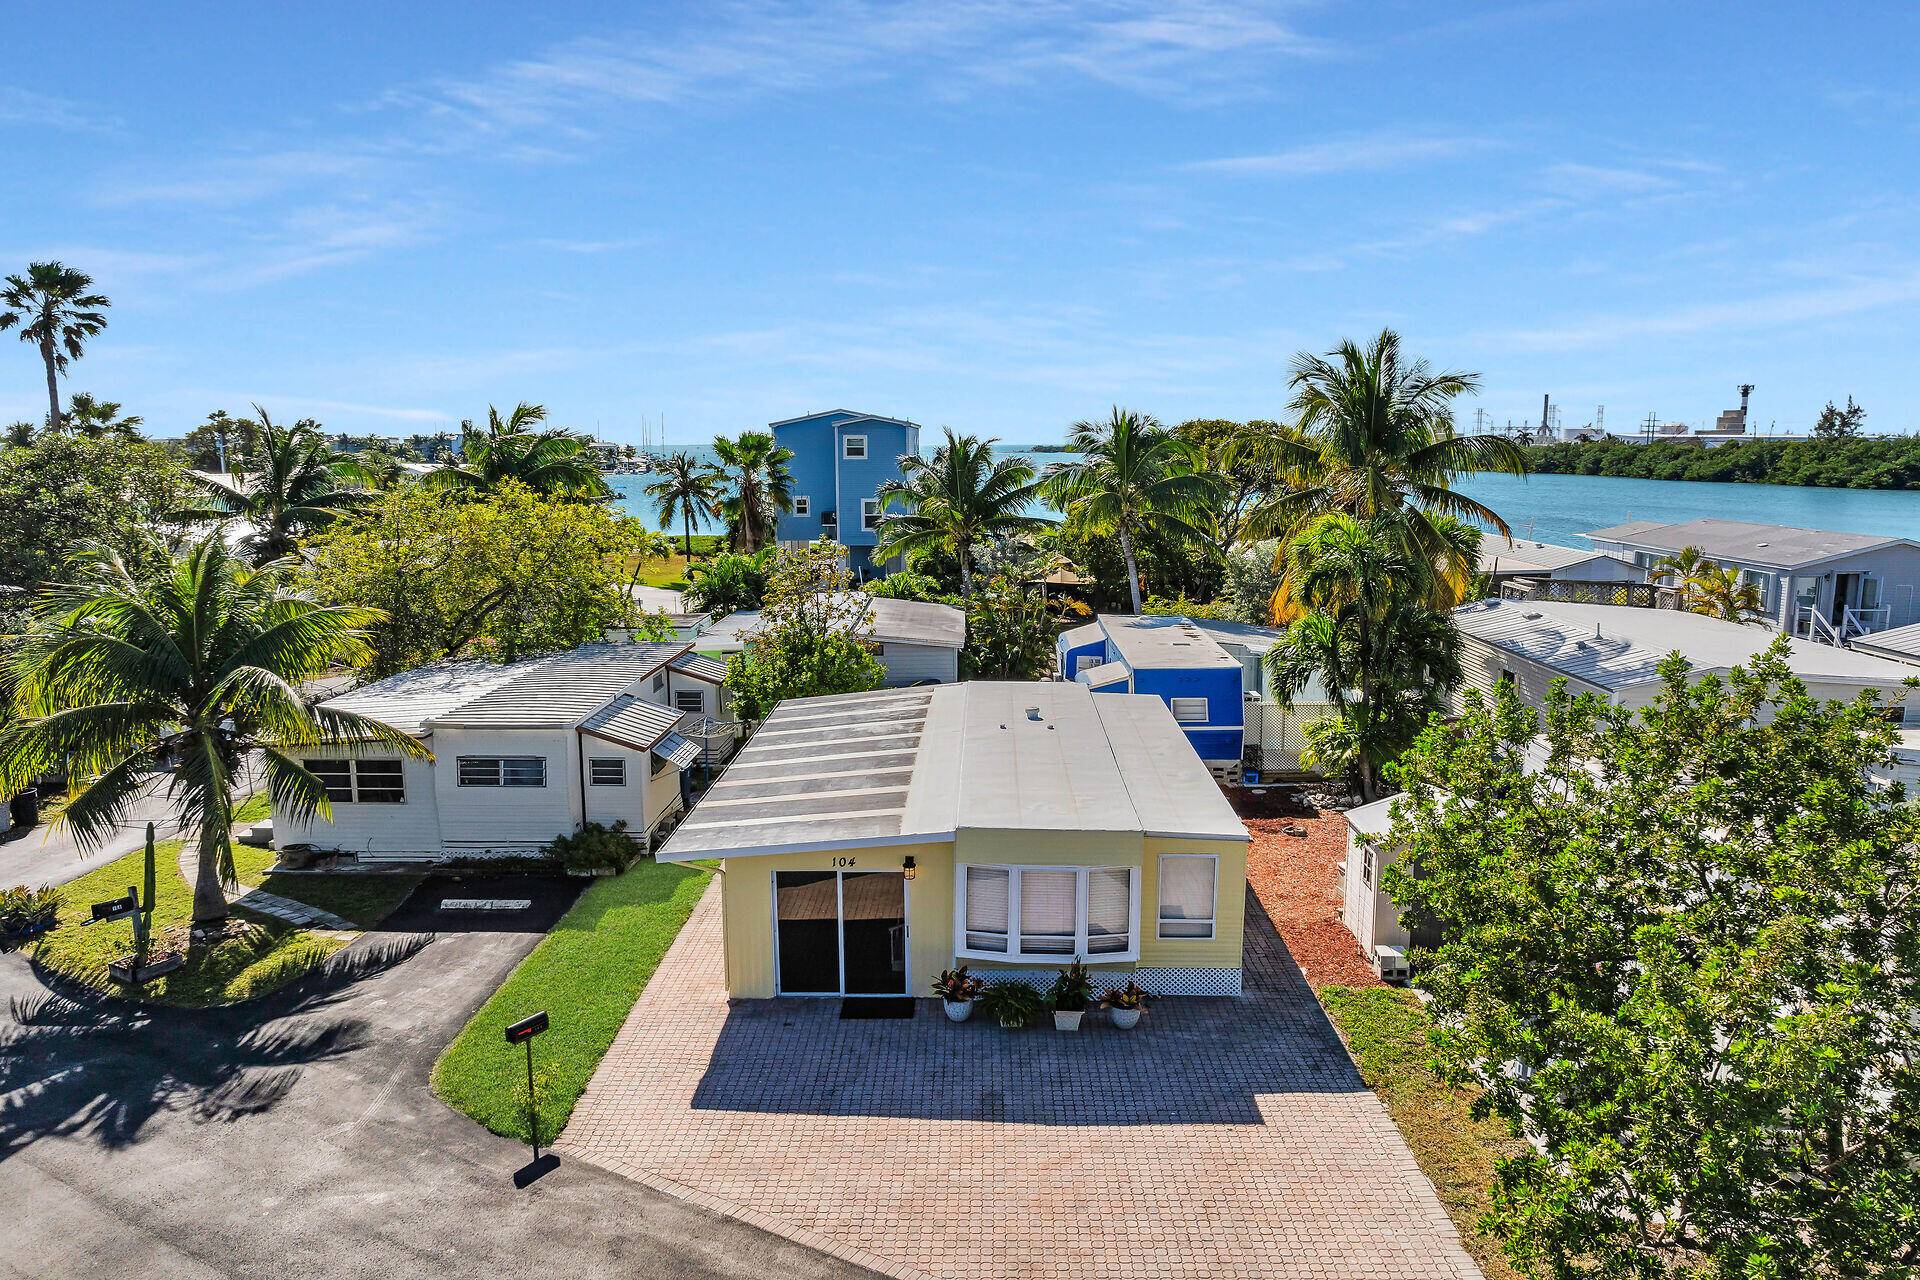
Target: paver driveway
1222, 1138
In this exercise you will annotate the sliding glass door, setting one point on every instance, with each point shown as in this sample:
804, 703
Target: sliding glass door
840, 932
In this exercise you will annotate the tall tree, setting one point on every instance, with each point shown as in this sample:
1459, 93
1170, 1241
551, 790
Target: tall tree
812, 637
754, 467
955, 502
1375, 439
201, 667
1136, 477
1365, 631
54, 311
1680, 955
513, 448
101, 419
687, 489
63, 490
298, 485
1244, 479
1837, 424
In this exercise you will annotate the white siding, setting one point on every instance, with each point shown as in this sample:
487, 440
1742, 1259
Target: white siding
481, 820
1482, 663
409, 828
1370, 914
906, 663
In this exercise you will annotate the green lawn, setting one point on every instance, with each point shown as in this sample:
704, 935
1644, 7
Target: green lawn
586, 974
1386, 1028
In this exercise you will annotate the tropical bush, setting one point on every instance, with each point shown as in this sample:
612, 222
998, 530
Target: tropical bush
595, 847
957, 985
728, 582
1127, 997
1073, 989
911, 586
1181, 607
810, 640
1013, 1003
1009, 633
22, 909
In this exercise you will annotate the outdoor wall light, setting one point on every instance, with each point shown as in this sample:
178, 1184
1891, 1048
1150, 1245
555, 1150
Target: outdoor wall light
908, 867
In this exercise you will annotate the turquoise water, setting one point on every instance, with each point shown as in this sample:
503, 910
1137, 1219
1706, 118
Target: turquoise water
1560, 509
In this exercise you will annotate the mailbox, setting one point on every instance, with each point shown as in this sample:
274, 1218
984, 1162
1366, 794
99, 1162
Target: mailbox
527, 1028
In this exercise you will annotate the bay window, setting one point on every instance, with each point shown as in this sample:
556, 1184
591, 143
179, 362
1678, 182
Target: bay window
1047, 913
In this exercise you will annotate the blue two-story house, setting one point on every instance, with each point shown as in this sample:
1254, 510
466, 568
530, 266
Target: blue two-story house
840, 460
1172, 659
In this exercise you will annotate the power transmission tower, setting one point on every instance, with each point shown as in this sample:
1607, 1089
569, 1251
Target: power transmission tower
1651, 424
1600, 420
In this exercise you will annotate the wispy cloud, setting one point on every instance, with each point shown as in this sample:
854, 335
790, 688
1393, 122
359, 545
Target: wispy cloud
1350, 155
591, 247
22, 107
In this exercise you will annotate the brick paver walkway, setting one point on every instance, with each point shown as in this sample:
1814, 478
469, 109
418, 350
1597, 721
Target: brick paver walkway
1222, 1137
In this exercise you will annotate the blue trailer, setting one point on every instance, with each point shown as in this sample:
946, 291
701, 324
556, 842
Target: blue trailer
1174, 660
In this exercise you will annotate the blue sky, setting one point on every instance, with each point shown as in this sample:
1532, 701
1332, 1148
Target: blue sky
1000, 215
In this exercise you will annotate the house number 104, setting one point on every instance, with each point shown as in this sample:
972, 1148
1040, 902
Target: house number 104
843, 862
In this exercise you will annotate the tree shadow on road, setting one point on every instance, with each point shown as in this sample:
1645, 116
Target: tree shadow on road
75, 1061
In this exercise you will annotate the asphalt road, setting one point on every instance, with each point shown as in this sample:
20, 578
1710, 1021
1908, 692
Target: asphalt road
297, 1137
48, 853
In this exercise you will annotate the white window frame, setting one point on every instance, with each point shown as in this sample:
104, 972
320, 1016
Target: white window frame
1366, 865
1173, 705
699, 709
869, 514
802, 505
595, 762
354, 787
1085, 662
1013, 953
499, 771
1212, 921
846, 448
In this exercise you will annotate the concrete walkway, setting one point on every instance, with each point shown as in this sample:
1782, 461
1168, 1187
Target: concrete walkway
1222, 1138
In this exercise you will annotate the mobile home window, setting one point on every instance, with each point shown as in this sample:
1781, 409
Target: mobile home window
607, 771
1085, 662
336, 776
1187, 894
869, 513
1047, 913
691, 701
853, 447
659, 681
1366, 865
503, 771
360, 781
1190, 710
802, 505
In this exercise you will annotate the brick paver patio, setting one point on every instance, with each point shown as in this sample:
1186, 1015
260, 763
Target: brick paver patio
1223, 1137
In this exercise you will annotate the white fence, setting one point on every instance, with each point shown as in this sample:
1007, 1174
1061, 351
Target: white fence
1278, 734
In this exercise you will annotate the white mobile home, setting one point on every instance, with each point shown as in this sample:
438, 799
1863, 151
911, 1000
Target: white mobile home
521, 754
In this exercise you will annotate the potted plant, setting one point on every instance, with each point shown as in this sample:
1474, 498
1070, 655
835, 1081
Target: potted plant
1125, 1004
1072, 991
957, 990
25, 912
1013, 1004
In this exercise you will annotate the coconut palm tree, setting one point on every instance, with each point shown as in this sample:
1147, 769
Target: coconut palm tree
298, 485
198, 668
1364, 628
98, 419
955, 501
1375, 438
1136, 477
754, 466
54, 311
514, 448
1719, 593
687, 489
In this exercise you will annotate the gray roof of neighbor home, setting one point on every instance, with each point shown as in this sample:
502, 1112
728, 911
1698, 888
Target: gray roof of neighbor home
888, 622
909, 766
1616, 647
1901, 643
701, 667
1155, 643
409, 699
1778, 545
1511, 555
631, 722
563, 690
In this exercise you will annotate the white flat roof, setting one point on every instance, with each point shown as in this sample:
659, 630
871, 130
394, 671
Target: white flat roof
1780, 545
1509, 555
907, 766
1157, 643
1616, 647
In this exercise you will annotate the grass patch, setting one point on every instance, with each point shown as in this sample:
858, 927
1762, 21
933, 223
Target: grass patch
366, 900
258, 956
586, 973
1386, 1029
255, 808
670, 573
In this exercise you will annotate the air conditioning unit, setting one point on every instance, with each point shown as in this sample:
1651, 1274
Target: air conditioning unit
1251, 695
1391, 964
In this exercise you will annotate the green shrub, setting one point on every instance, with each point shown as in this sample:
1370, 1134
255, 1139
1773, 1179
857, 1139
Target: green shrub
1013, 1003
595, 847
22, 908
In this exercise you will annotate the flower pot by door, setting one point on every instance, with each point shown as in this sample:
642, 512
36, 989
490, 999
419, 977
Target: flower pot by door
958, 1010
1065, 1021
1126, 1019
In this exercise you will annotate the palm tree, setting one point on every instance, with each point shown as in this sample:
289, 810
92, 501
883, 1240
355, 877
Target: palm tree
1365, 629
1683, 567
1136, 477
755, 466
1375, 439
1719, 593
512, 448
97, 419
199, 668
55, 312
299, 485
955, 501
687, 488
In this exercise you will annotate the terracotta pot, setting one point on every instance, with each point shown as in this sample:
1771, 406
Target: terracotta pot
958, 1010
1126, 1019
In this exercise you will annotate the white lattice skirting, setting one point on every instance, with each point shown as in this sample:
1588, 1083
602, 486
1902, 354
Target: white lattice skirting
1159, 982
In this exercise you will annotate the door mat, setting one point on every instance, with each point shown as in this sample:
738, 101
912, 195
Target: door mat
877, 1007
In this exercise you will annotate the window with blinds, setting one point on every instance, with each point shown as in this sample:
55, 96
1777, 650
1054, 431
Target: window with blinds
1187, 883
1048, 913
1190, 710
503, 771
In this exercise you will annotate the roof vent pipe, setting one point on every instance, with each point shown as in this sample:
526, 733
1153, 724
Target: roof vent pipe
1033, 713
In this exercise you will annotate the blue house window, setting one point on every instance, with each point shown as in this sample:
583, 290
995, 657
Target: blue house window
853, 447
802, 505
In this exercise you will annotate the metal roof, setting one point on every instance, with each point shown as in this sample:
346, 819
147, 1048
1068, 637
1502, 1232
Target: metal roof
888, 622
676, 751
909, 766
1615, 647
853, 415
1157, 643
1776, 545
1902, 644
564, 690
1518, 554
1078, 636
631, 722
700, 667
411, 698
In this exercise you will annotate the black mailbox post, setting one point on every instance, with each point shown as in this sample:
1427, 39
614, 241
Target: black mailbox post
115, 908
523, 1032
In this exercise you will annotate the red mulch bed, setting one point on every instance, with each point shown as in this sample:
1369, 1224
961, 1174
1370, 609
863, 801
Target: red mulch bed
1293, 876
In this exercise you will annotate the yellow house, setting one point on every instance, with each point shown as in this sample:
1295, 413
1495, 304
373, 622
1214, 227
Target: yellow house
870, 840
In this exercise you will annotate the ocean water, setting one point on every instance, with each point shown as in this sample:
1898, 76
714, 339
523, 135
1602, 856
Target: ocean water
1562, 509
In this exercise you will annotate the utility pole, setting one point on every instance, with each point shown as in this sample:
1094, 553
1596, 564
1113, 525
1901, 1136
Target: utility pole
1652, 424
